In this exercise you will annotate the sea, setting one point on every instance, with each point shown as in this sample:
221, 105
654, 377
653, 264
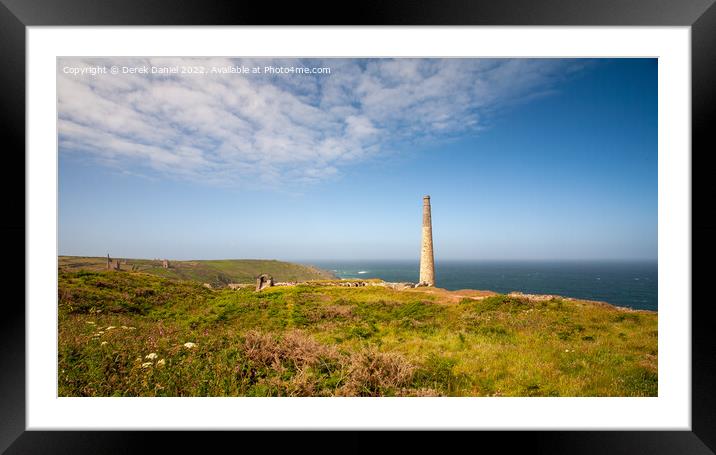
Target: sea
631, 284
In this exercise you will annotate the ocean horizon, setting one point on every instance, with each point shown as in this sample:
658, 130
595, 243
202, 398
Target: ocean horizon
626, 283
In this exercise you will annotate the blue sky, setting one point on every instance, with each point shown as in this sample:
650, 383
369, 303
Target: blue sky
523, 159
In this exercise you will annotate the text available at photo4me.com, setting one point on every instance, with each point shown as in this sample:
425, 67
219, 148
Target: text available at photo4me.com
100, 70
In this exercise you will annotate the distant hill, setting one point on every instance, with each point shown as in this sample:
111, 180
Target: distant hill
218, 273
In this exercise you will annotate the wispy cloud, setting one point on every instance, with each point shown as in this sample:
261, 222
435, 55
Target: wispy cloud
273, 131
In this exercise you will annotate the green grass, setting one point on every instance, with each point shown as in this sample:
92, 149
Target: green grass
218, 273
332, 341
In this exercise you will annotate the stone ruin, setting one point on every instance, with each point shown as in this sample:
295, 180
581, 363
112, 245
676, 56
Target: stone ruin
113, 265
352, 284
263, 281
532, 297
349, 284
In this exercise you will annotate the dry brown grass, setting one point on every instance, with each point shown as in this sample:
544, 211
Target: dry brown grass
336, 311
367, 372
375, 373
452, 296
261, 348
294, 349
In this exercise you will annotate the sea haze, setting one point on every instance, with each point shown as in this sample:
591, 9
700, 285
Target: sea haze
632, 284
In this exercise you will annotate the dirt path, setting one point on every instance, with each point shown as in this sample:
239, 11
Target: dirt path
454, 296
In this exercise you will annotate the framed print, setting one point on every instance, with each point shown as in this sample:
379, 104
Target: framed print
474, 224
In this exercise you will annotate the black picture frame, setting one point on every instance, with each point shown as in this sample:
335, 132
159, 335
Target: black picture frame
700, 15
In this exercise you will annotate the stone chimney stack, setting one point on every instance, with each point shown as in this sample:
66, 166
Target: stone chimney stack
427, 262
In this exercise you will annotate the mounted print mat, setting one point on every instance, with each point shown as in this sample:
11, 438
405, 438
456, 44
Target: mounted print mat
467, 225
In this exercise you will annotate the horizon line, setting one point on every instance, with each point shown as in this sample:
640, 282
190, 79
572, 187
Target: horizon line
417, 260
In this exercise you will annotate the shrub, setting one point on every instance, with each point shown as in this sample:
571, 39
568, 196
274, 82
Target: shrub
375, 373
295, 351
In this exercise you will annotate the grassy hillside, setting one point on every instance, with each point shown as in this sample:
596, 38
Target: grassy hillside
216, 272
126, 334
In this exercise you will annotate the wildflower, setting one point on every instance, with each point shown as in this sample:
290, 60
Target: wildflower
110, 327
151, 356
566, 350
146, 364
189, 345
160, 363
103, 343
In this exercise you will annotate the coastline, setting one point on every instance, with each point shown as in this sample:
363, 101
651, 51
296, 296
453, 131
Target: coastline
631, 284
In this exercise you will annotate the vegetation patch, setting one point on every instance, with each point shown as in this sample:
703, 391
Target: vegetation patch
138, 334
437, 373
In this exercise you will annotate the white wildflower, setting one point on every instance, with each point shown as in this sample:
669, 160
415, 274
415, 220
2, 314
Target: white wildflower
146, 364
110, 327
189, 345
151, 356
566, 350
103, 343
160, 363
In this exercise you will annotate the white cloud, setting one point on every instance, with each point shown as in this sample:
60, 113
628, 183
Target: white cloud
281, 130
